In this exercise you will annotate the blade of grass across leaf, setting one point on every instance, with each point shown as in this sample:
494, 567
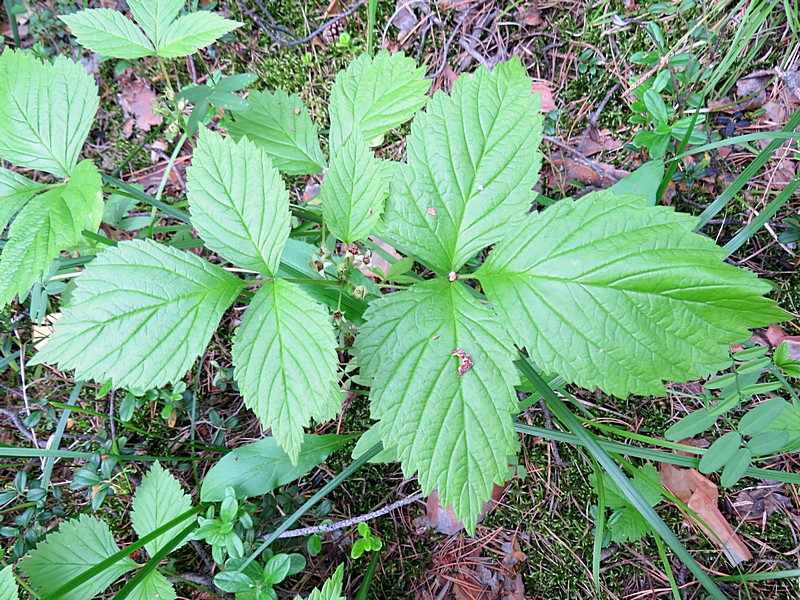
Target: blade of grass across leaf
55, 442
125, 552
604, 459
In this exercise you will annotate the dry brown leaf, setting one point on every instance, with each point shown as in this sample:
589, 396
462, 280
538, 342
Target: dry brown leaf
136, 99
543, 86
701, 496
530, 16
445, 520
776, 336
760, 503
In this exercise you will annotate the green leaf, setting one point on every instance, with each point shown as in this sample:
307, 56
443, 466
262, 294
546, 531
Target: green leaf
108, 32
644, 181
48, 109
735, 468
49, 223
187, 34
789, 421
8, 585
282, 127
628, 526
375, 95
276, 569
155, 16
472, 161
154, 587
611, 293
616, 499
691, 425
146, 310
761, 417
15, 192
767, 442
285, 357
456, 431
259, 467
354, 191
720, 452
365, 443
157, 501
656, 107
233, 582
77, 545
239, 203
331, 590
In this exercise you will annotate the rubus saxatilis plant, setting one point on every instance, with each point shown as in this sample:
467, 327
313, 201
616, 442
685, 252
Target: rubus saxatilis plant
606, 290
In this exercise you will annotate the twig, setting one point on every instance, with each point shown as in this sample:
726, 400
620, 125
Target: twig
447, 44
112, 424
581, 158
14, 418
350, 522
548, 422
272, 29
594, 116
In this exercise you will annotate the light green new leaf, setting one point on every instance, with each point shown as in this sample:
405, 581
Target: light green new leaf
108, 32
284, 354
49, 223
47, 112
8, 585
375, 95
146, 310
155, 16
187, 34
78, 545
456, 431
154, 587
15, 192
611, 293
157, 501
354, 191
472, 161
239, 203
258, 468
281, 125
331, 589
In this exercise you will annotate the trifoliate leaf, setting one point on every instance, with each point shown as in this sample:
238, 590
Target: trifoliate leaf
146, 310
285, 361
354, 191
449, 421
258, 468
331, 589
611, 293
472, 162
78, 545
154, 587
8, 585
159, 499
15, 192
48, 109
49, 223
375, 95
155, 16
282, 127
239, 203
187, 34
108, 32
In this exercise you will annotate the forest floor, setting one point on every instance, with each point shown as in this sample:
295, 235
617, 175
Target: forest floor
538, 541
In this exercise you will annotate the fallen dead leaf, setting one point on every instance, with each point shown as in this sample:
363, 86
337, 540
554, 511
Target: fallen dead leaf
776, 336
760, 503
445, 520
404, 19
701, 496
530, 16
41, 333
752, 86
136, 99
543, 86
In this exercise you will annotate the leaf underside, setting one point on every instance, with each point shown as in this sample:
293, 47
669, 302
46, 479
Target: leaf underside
471, 166
239, 203
157, 501
280, 125
187, 34
155, 16
613, 294
455, 431
284, 354
78, 545
8, 585
154, 587
48, 109
331, 589
375, 95
108, 32
146, 311
15, 192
